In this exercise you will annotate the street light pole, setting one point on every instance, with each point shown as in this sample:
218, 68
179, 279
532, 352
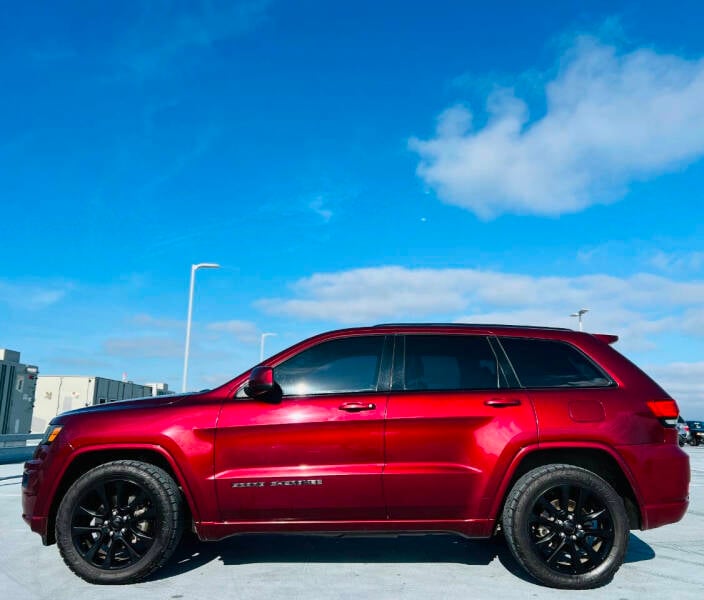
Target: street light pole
261, 345
579, 314
194, 268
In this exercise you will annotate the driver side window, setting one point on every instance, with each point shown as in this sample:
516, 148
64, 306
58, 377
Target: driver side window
337, 366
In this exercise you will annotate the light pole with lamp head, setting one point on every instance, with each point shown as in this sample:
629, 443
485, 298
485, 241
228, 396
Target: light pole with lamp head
194, 268
579, 314
261, 345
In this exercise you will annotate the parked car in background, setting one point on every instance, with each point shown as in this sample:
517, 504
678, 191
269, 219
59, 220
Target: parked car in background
682, 431
696, 432
548, 435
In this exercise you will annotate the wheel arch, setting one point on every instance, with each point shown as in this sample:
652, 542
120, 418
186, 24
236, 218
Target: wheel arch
597, 459
89, 458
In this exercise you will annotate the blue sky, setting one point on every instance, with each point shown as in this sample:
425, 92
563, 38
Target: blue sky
348, 164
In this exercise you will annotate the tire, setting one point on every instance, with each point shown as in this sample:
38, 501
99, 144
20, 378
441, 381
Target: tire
566, 526
119, 522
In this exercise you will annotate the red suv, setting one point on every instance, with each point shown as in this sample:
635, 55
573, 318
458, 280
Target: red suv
549, 436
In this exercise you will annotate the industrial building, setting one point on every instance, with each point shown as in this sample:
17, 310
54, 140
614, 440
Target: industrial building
17, 387
58, 393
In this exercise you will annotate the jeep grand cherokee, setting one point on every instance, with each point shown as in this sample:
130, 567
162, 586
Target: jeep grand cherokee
548, 435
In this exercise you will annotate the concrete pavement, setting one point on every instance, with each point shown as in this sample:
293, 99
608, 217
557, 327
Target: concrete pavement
662, 563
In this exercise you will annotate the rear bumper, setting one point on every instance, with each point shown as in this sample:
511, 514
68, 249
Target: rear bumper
660, 477
655, 515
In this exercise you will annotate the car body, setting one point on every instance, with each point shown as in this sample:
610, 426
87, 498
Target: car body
548, 434
696, 432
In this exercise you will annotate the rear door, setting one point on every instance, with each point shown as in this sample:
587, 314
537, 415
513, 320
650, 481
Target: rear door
453, 426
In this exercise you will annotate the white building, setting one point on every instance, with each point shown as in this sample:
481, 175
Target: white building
58, 393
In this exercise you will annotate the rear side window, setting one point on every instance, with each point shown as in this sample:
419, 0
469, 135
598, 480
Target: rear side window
551, 363
450, 362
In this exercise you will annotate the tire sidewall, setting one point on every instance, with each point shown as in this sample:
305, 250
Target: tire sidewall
166, 521
531, 559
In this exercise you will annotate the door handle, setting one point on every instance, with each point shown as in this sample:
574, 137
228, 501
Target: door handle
501, 402
357, 406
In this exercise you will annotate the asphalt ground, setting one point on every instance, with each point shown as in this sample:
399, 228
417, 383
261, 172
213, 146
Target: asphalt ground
662, 563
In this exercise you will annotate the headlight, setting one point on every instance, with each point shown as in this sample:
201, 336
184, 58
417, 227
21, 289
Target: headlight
50, 434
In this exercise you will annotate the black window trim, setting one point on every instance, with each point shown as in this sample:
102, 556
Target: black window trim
597, 367
512, 381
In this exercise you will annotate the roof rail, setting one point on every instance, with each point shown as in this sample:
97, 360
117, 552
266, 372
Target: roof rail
471, 325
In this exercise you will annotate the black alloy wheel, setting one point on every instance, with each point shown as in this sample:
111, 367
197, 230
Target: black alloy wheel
119, 522
566, 526
571, 528
114, 523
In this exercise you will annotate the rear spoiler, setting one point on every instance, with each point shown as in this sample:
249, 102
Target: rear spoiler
605, 337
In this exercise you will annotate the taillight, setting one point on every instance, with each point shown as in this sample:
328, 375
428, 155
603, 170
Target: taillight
664, 409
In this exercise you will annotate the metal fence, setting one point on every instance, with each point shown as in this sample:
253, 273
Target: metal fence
19, 440
17, 447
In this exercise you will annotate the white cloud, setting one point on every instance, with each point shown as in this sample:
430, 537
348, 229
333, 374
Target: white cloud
143, 347
33, 296
318, 207
611, 118
685, 383
671, 261
149, 322
166, 35
634, 307
244, 331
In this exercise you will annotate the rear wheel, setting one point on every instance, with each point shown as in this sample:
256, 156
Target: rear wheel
566, 526
119, 522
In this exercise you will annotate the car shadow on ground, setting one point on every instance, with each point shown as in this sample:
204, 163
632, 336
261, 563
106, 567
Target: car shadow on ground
290, 548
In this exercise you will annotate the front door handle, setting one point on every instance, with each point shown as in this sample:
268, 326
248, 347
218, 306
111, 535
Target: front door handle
501, 402
357, 406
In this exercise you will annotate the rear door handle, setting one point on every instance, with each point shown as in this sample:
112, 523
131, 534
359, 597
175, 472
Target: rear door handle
500, 402
357, 406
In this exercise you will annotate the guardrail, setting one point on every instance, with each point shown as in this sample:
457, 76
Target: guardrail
18, 440
17, 447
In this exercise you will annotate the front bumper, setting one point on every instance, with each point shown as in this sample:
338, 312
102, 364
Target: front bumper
37, 488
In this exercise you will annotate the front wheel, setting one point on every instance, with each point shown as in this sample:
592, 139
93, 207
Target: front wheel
566, 526
119, 522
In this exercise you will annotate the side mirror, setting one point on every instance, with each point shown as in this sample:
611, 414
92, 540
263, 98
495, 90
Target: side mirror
260, 383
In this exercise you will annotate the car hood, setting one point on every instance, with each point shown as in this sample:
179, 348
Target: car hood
148, 402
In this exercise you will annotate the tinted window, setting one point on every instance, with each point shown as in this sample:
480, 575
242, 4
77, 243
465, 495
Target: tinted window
550, 363
345, 365
449, 362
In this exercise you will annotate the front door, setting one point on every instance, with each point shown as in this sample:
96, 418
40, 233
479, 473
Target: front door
316, 452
